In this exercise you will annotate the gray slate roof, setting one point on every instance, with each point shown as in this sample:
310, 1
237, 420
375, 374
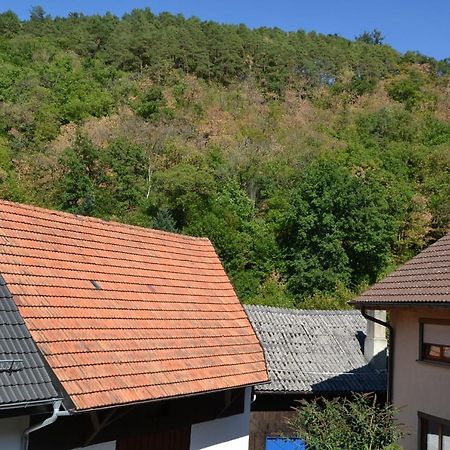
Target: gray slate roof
24, 380
423, 280
314, 351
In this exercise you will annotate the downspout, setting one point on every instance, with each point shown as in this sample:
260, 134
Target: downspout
56, 413
390, 365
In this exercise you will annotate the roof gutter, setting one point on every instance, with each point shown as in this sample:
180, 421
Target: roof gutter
390, 347
53, 418
26, 405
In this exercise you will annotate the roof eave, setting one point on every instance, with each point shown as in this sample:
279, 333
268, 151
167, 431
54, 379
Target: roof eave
28, 404
161, 399
315, 393
374, 304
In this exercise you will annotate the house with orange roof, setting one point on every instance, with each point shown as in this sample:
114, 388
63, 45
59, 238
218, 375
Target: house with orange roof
140, 331
417, 296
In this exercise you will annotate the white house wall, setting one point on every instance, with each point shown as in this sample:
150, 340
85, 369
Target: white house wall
11, 431
229, 433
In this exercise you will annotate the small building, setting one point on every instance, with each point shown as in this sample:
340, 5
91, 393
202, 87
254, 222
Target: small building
417, 297
135, 337
309, 354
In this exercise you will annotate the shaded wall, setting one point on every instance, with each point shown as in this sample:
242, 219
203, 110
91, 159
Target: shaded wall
266, 423
11, 431
158, 425
269, 416
228, 433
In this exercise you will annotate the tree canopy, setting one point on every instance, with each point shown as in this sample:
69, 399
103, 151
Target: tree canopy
315, 164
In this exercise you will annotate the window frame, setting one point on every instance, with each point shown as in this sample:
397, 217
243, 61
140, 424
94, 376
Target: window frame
422, 434
422, 354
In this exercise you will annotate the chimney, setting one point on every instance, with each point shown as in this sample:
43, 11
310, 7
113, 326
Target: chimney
375, 344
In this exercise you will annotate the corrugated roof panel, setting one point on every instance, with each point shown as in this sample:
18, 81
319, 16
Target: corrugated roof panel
314, 351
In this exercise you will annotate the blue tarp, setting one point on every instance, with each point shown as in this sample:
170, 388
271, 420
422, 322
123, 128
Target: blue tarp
278, 443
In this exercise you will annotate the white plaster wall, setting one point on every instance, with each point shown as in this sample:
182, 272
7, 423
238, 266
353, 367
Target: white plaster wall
418, 386
11, 430
229, 433
103, 446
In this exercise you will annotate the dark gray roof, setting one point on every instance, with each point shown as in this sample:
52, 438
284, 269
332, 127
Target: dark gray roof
424, 280
24, 380
314, 351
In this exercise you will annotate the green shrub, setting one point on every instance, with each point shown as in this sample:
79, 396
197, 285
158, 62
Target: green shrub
152, 105
358, 423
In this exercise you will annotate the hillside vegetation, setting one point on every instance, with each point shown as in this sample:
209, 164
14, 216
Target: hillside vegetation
315, 164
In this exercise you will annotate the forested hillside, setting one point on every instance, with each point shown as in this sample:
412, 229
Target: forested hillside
315, 164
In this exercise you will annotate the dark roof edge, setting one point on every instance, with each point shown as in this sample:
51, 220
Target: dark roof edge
57, 385
161, 399
314, 393
374, 304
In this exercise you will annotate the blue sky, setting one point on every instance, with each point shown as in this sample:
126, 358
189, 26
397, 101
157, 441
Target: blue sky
421, 25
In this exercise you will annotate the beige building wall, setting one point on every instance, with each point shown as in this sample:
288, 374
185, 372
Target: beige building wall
417, 386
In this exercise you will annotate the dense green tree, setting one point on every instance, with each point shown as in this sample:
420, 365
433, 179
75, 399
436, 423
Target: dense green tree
10, 187
356, 423
83, 173
9, 24
126, 174
374, 37
341, 229
164, 220
37, 13
409, 90
152, 105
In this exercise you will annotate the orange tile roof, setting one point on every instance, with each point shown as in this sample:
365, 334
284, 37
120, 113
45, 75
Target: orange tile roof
163, 320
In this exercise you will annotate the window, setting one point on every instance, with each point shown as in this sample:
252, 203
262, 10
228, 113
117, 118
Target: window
435, 340
434, 433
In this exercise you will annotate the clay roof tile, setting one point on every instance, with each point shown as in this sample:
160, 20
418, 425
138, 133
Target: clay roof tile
125, 314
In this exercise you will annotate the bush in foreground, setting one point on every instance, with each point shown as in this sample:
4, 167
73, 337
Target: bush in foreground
357, 423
